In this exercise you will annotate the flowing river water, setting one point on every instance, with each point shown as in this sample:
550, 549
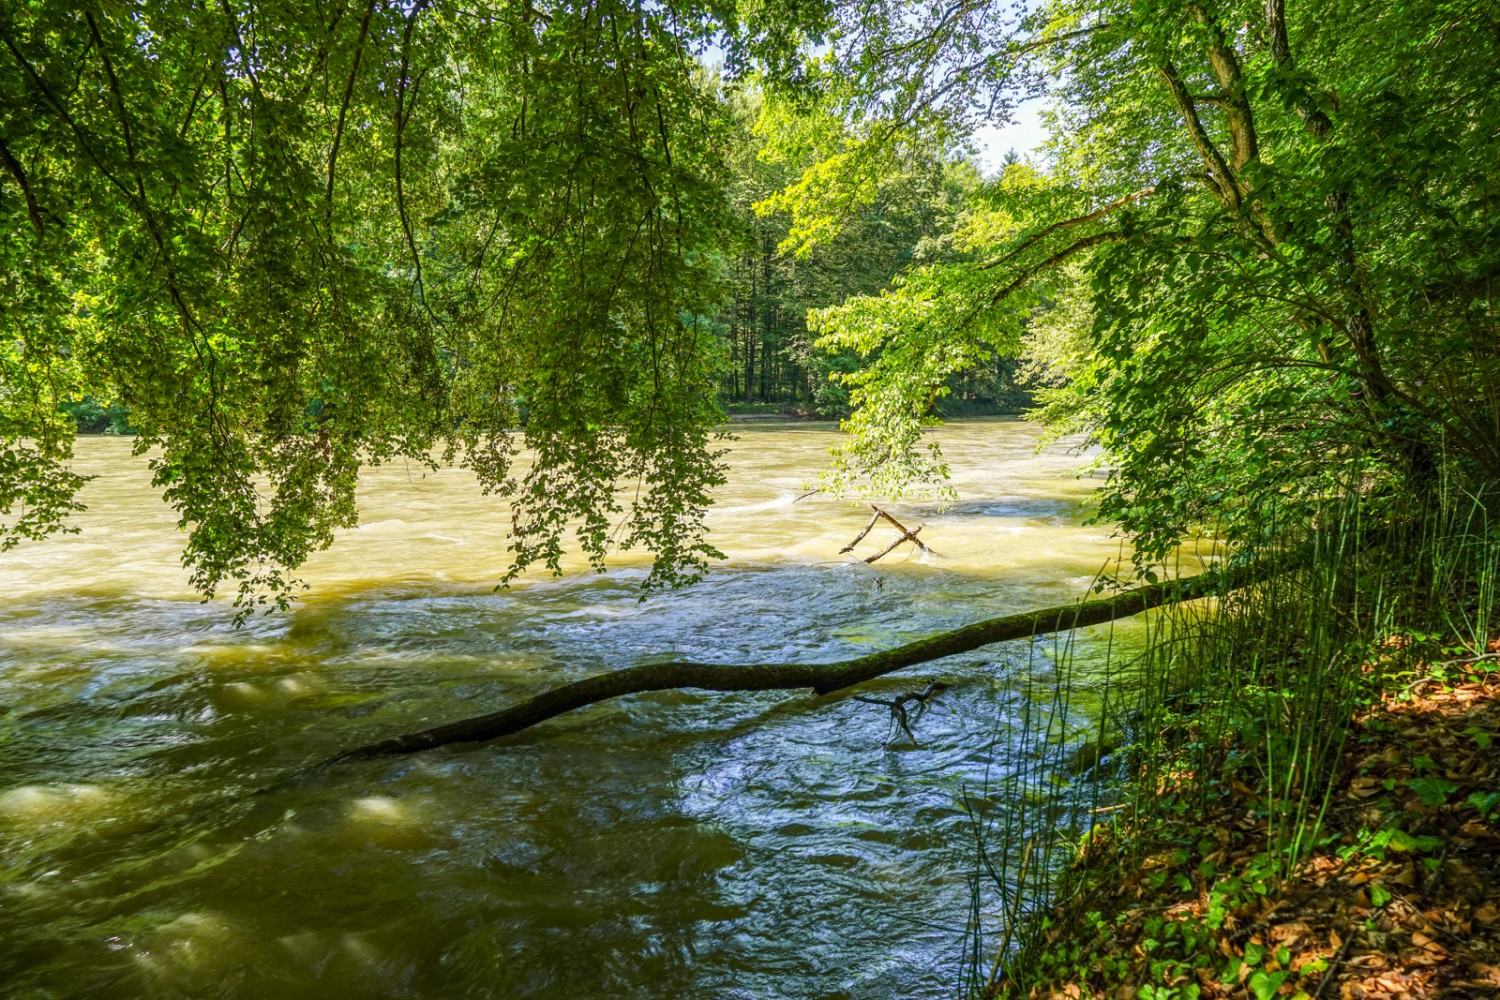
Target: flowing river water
672, 845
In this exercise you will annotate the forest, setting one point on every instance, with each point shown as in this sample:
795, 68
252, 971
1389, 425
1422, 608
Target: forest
279, 267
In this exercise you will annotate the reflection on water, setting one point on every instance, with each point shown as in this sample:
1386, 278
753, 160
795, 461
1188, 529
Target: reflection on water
676, 845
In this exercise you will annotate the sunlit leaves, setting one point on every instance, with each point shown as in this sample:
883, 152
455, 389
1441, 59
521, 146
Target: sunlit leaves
316, 238
1258, 276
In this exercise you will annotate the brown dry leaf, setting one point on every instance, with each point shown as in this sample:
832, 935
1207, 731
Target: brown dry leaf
1289, 931
1487, 914
1477, 830
1428, 944
1406, 876
1456, 869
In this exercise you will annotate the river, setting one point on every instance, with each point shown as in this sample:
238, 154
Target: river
674, 845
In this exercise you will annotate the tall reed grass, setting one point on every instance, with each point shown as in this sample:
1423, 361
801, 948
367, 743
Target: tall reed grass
1262, 682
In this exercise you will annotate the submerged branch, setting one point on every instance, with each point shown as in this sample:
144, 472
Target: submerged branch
907, 535
874, 520
821, 678
897, 706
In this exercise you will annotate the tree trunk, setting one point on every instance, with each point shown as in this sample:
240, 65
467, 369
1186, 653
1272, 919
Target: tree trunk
821, 678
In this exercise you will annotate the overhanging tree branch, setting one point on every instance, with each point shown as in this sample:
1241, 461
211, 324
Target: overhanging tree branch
33, 207
338, 130
1213, 160
1235, 104
1071, 250
1281, 54
1093, 216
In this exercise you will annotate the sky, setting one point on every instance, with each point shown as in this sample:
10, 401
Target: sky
1024, 135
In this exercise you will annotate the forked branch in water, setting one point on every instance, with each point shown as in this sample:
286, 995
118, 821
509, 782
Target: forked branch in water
821, 678
907, 535
898, 710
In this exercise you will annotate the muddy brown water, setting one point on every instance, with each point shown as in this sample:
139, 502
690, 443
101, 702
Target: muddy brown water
674, 845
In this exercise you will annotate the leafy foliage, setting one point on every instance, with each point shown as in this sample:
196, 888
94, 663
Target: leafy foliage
295, 239
1270, 233
772, 355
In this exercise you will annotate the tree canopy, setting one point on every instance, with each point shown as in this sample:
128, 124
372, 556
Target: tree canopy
293, 239
1263, 259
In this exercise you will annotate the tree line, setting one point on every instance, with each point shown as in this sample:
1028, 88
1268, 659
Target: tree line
771, 356
768, 359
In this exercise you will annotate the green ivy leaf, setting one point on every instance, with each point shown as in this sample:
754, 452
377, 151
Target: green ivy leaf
1432, 791
1485, 802
1265, 984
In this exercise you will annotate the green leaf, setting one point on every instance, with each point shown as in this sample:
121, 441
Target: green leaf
1432, 791
1485, 802
1265, 984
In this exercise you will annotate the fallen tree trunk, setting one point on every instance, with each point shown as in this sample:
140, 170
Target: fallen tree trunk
821, 678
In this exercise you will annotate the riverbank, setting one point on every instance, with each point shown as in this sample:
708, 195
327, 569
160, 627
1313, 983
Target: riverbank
946, 409
1388, 885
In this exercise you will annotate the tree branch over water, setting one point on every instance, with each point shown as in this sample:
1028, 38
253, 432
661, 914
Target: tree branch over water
821, 678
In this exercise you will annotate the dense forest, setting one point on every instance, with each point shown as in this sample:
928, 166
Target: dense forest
282, 244
772, 357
